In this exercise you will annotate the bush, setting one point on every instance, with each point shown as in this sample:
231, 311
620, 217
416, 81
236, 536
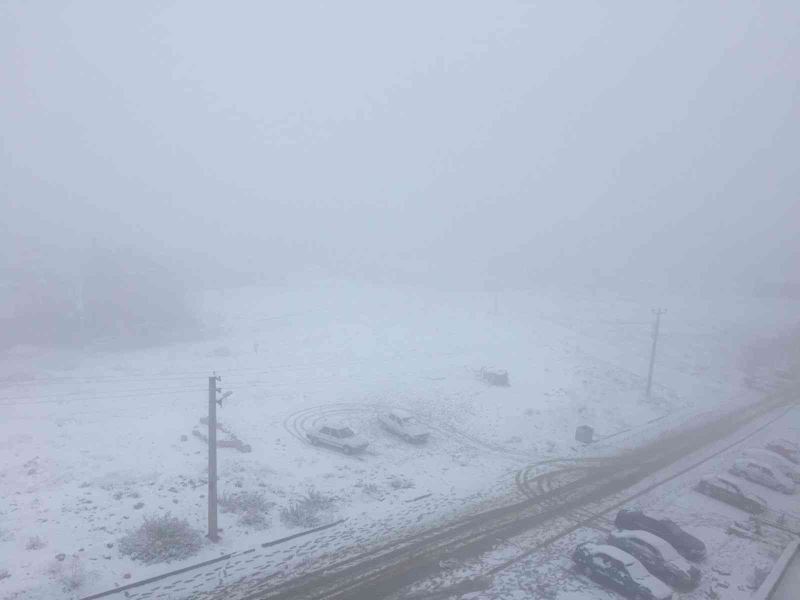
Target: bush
71, 575
74, 576
370, 489
298, 514
35, 543
496, 377
318, 500
252, 507
400, 483
161, 539
304, 512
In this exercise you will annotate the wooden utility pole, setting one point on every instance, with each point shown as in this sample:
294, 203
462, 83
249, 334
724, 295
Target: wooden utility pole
657, 312
213, 531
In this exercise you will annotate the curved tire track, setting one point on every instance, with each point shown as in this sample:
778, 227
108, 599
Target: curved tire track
298, 423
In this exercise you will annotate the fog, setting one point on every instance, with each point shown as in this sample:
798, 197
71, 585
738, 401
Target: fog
587, 138
472, 278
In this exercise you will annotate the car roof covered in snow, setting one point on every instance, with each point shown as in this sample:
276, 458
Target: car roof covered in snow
400, 413
786, 443
660, 544
611, 551
768, 456
761, 453
634, 567
742, 486
725, 480
746, 460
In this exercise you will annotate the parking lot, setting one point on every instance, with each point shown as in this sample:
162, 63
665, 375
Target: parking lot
741, 548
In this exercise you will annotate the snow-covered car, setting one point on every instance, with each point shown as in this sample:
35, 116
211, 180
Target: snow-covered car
774, 460
789, 450
403, 425
658, 557
611, 567
763, 474
725, 490
337, 436
685, 543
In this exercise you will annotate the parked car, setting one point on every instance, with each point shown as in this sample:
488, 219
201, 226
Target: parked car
725, 490
763, 474
611, 567
403, 425
685, 543
658, 557
785, 448
337, 436
774, 460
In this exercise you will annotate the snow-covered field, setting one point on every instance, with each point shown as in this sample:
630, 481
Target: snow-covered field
93, 441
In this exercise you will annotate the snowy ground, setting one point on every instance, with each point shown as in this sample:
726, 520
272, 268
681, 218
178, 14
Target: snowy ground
92, 441
741, 550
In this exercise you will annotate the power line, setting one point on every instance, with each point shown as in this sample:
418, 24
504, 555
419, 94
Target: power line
112, 397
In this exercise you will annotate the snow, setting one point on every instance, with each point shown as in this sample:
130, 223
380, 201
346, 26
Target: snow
92, 441
738, 547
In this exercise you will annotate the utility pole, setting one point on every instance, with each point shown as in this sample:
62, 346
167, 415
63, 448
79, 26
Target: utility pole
657, 312
213, 531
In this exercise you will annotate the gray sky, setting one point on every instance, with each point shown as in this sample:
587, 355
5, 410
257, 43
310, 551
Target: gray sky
656, 138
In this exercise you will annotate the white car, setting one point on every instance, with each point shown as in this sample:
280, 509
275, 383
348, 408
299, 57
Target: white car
783, 465
658, 557
337, 436
403, 425
763, 474
618, 570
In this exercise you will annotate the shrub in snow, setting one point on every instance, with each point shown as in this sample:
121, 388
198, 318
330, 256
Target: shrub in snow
161, 538
304, 512
70, 574
400, 483
252, 507
35, 543
496, 377
318, 500
299, 514
370, 489
4, 574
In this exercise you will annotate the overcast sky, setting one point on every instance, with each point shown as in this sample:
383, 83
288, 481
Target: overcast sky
659, 139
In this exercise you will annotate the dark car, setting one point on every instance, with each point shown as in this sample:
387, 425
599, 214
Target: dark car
725, 490
611, 567
658, 557
685, 543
